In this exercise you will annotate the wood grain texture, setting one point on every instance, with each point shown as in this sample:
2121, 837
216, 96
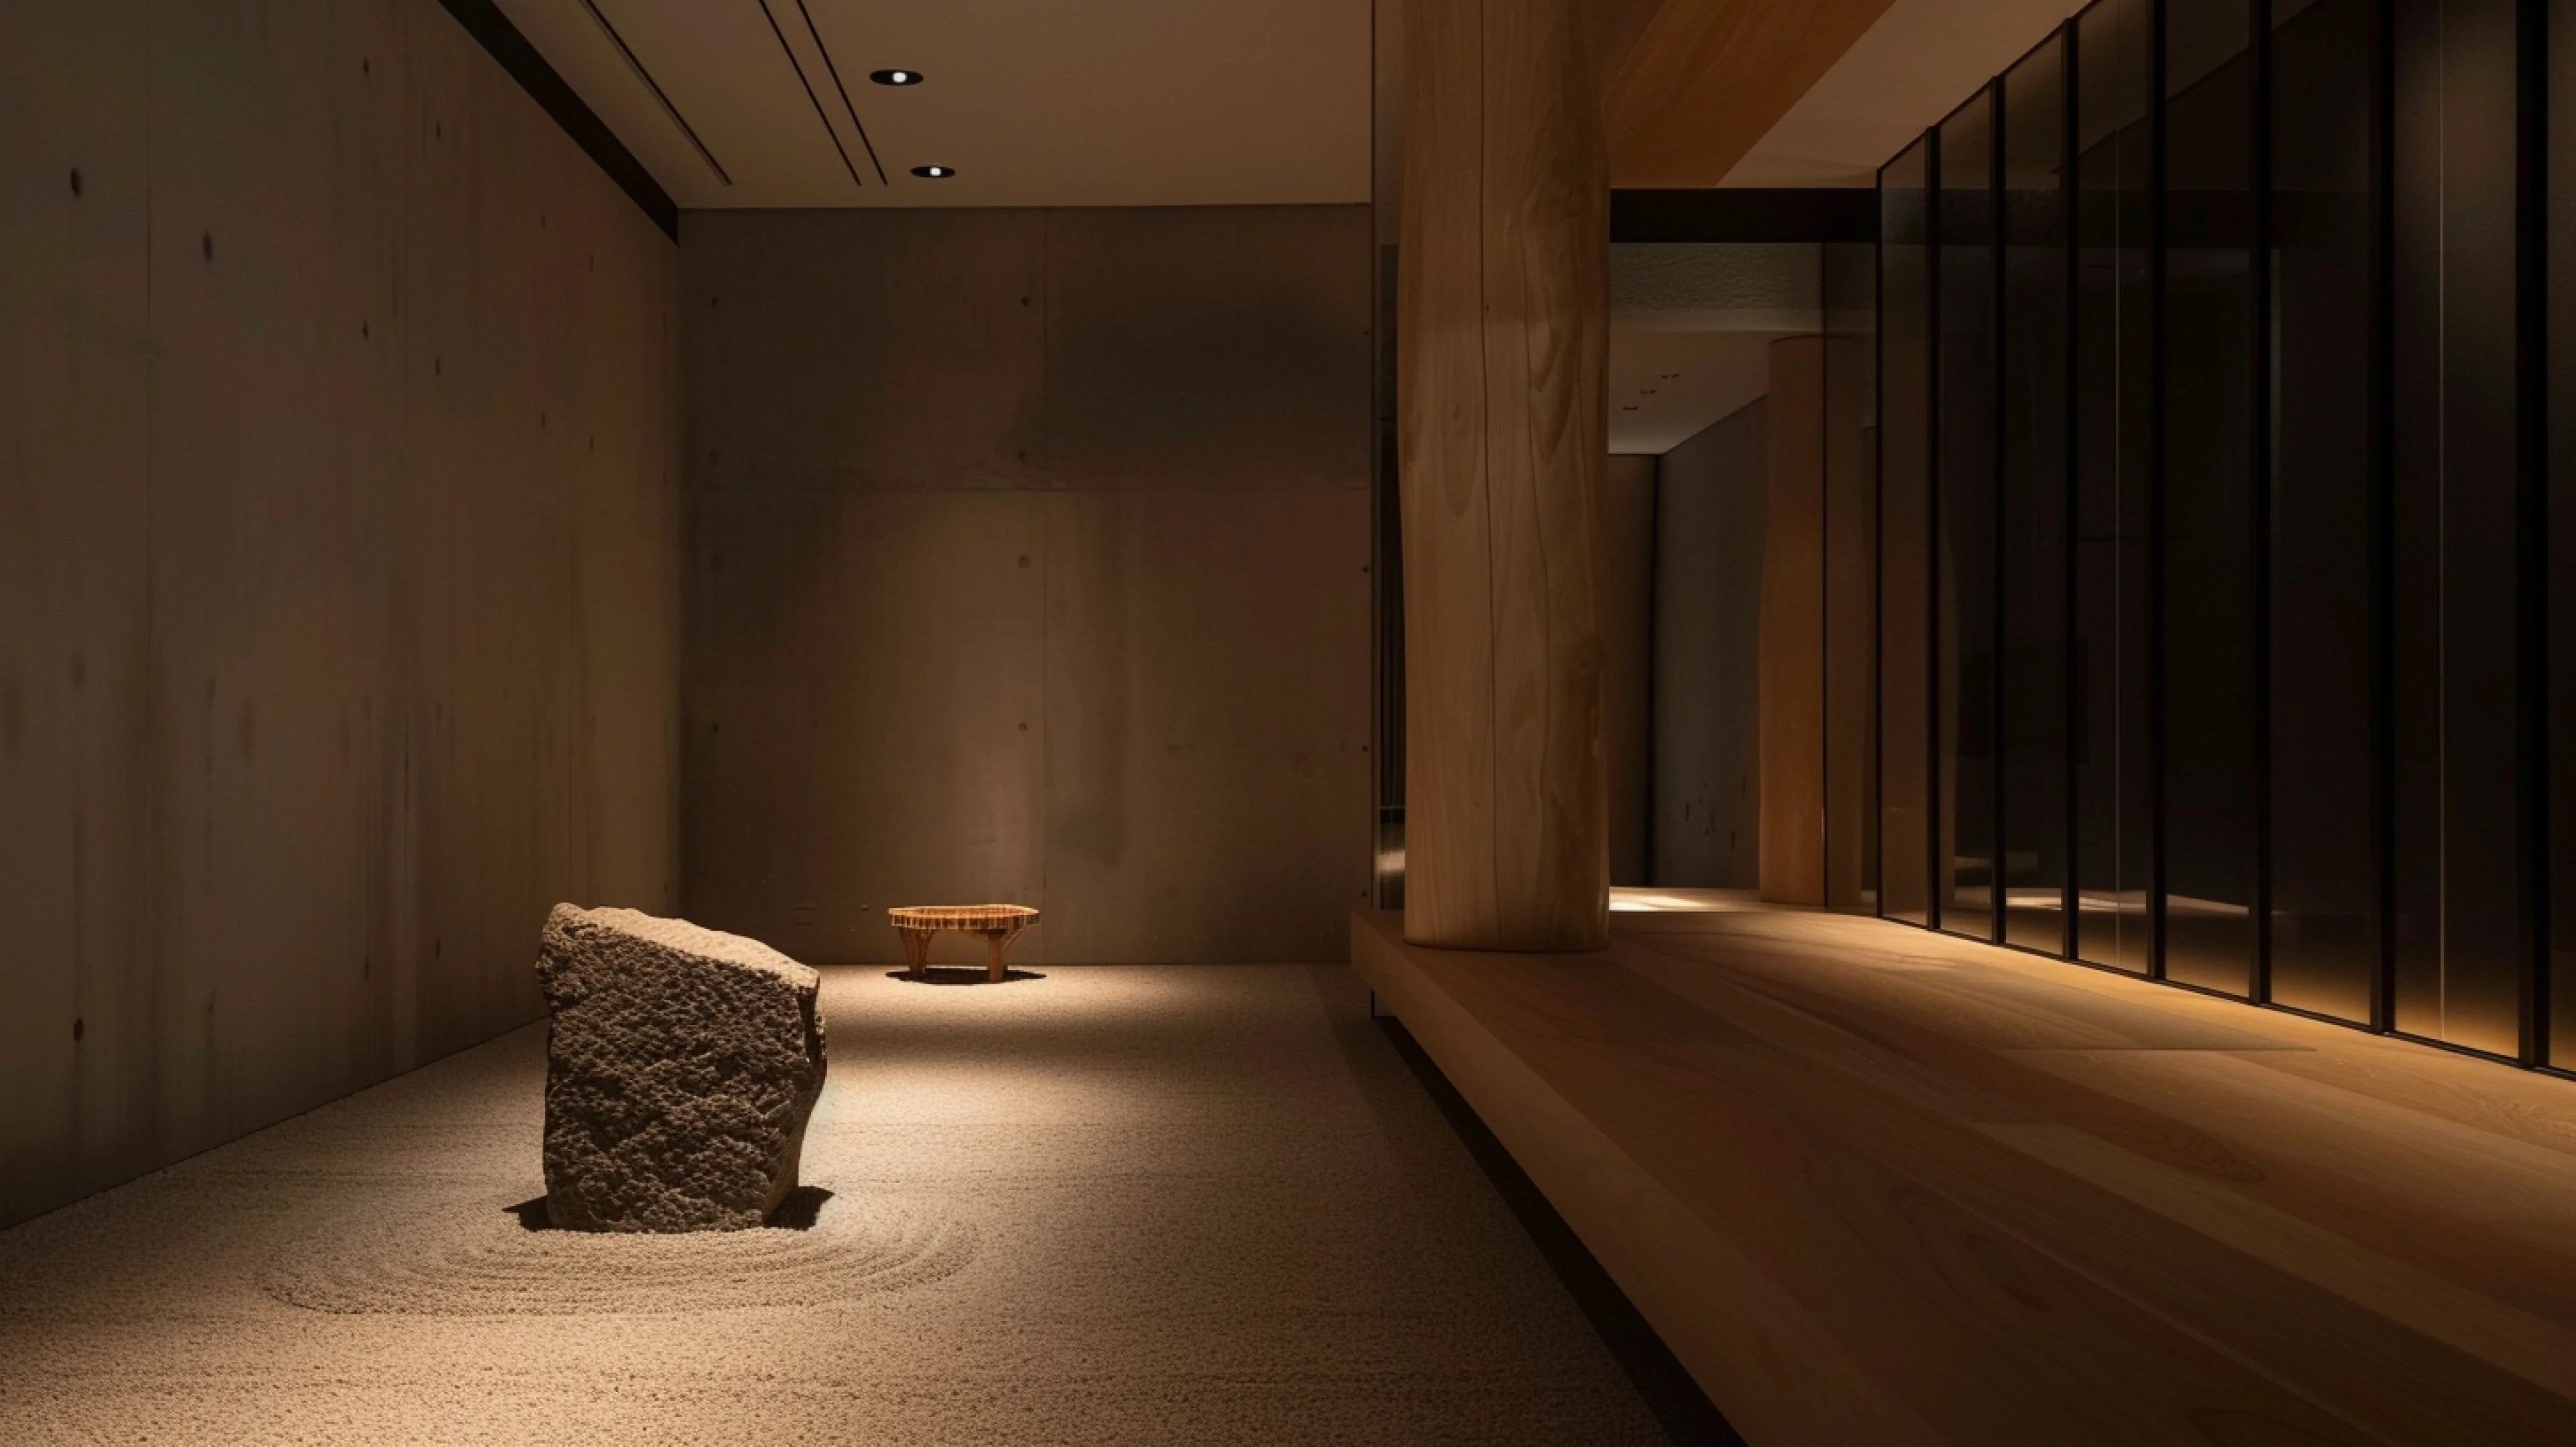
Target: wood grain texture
1874, 1184
1816, 659
1503, 296
1704, 80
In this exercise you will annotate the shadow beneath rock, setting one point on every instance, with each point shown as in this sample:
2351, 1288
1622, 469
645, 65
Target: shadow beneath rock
960, 975
802, 1208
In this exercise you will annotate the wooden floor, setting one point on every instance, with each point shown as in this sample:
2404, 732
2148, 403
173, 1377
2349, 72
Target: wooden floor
1875, 1185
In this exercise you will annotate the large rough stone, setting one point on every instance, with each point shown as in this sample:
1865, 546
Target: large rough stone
680, 1069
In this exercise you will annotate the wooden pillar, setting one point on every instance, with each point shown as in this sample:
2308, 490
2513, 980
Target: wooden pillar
1816, 661
1503, 339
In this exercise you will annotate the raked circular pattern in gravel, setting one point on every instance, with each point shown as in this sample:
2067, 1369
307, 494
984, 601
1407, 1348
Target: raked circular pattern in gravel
498, 1267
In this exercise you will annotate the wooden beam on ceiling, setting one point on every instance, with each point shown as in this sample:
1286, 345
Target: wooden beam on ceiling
1702, 81
1616, 27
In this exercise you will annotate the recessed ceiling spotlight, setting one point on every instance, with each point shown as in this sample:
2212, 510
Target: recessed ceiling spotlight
895, 77
935, 173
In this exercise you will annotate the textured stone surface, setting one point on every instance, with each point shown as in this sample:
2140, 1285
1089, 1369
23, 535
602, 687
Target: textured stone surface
680, 1068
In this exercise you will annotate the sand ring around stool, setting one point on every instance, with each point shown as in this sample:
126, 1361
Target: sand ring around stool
493, 1266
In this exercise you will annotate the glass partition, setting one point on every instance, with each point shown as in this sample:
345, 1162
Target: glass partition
2114, 458
1963, 486
2035, 522
1905, 536
2325, 506
2207, 506
2220, 630
2464, 917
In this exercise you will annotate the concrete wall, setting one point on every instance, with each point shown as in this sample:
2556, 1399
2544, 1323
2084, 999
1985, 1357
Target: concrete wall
338, 621
1709, 529
1028, 557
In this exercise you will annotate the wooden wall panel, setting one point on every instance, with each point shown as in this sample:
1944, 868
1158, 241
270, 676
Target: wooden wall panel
343, 586
1793, 628
1818, 563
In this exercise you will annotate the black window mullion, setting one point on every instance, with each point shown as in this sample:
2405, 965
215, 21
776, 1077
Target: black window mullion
1878, 550
2069, 895
2156, 487
1932, 210
2531, 346
1998, 236
2259, 494
2383, 376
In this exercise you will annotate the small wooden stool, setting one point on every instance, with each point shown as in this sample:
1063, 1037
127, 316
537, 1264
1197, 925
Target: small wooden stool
999, 924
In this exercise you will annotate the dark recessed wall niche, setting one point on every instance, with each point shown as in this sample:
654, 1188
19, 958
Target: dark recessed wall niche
2221, 618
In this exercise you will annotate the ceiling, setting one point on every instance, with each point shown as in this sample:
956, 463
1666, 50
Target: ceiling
1691, 85
1668, 387
1691, 329
767, 103
1032, 102
1216, 102
1907, 71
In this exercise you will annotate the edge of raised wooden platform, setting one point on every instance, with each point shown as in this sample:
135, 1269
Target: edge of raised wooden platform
1774, 1371
1875, 1185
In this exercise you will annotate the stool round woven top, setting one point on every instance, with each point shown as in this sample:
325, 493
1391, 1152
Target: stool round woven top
999, 924
973, 918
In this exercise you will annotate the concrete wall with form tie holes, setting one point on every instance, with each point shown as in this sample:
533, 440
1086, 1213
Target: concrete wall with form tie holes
338, 563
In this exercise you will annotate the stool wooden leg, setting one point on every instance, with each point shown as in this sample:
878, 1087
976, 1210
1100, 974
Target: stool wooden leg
995, 941
916, 949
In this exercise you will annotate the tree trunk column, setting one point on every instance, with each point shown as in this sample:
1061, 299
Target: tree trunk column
1503, 339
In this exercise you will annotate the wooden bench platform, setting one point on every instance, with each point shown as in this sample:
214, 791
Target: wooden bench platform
1879, 1186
